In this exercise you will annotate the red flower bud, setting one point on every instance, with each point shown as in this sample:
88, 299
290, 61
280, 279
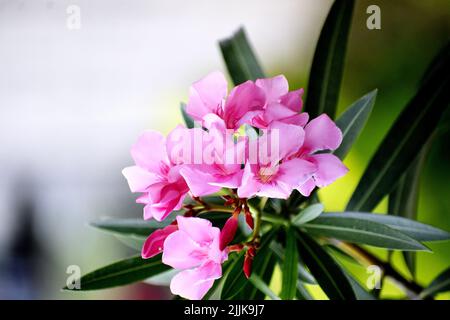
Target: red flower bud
248, 261
228, 231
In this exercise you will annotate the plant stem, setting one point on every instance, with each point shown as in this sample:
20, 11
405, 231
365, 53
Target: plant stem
257, 227
411, 287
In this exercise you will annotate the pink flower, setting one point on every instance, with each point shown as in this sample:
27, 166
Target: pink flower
275, 173
220, 159
321, 134
209, 96
155, 176
281, 105
155, 242
194, 248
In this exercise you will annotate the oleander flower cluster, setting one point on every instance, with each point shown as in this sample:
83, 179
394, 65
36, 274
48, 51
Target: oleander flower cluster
253, 141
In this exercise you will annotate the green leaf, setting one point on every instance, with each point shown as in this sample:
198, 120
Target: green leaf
241, 62
143, 228
403, 200
440, 284
302, 292
353, 120
352, 229
303, 274
328, 62
188, 121
235, 280
308, 214
130, 226
324, 269
414, 229
121, 273
265, 270
358, 289
404, 140
261, 285
290, 266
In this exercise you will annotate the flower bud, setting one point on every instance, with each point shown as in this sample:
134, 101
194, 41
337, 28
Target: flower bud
248, 261
155, 242
228, 231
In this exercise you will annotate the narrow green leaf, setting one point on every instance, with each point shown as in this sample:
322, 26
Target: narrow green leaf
302, 292
353, 120
239, 58
440, 284
328, 61
403, 200
265, 269
414, 229
308, 214
303, 274
130, 226
121, 273
324, 269
352, 229
188, 121
261, 285
404, 140
143, 228
290, 266
236, 281
358, 289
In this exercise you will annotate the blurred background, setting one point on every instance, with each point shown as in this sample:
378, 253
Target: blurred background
75, 96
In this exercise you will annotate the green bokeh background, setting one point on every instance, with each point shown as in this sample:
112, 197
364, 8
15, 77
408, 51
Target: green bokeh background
393, 60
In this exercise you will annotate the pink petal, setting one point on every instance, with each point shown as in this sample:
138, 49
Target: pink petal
182, 252
155, 242
199, 230
184, 146
249, 186
199, 180
289, 138
293, 100
194, 284
275, 189
244, 98
307, 187
296, 172
274, 87
205, 95
322, 133
150, 151
139, 179
329, 168
300, 119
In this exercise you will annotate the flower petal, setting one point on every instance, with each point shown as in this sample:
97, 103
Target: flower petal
322, 133
154, 244
198, 179
244, 98
307, 187
150, 151
274, 87
296, 172
182, 252
293, 100
194, 284
329, 168
249, 186
206, 95
139, 179
199, 230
